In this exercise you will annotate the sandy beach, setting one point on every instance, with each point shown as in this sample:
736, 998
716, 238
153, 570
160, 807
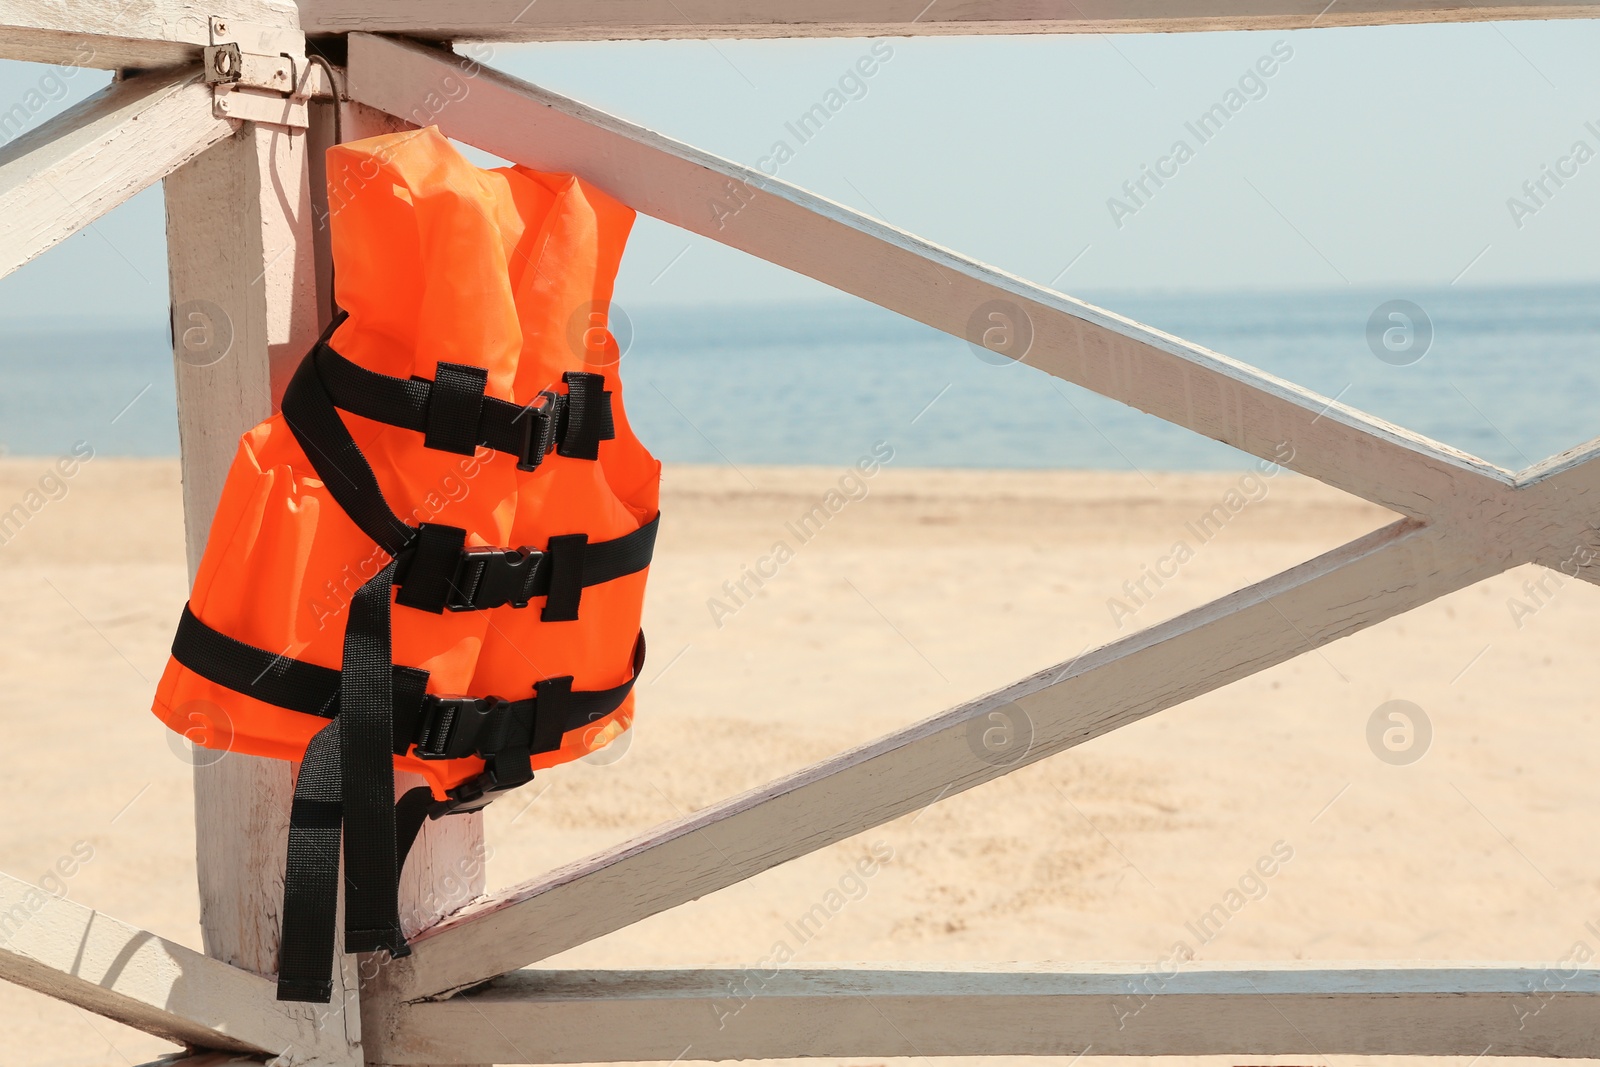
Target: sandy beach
921, 589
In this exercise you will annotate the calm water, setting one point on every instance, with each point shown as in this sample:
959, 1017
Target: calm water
1511, 375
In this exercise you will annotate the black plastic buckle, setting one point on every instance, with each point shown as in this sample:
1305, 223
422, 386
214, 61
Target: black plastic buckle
493, 577
479, 791
443, 717
541, 429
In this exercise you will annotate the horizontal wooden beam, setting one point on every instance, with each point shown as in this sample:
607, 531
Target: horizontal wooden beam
766, 1012
604, 20
1365, 582
68, 172
73, 953
746, 209
116, 34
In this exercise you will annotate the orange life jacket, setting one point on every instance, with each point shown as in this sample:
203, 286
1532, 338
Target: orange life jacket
434, 557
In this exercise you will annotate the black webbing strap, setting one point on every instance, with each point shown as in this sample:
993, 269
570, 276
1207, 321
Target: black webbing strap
338, 461
366, 702
442, 727
311, 878
458, 727
286, 682
454, 415
438, 573
346, 777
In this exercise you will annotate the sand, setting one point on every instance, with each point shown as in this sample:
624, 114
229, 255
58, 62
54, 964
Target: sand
929, 588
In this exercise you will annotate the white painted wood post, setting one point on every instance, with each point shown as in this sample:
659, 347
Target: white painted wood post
244, 312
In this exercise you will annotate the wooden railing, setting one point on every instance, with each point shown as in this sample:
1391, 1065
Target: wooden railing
240, 160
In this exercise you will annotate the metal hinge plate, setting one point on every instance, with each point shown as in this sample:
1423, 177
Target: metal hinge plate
254, 73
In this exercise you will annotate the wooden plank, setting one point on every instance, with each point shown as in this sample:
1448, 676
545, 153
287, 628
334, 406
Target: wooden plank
203, 1059
73, 953
605, 20
1317, 1010
245, 311
1371, 579
744, 208
58, 178
128, 33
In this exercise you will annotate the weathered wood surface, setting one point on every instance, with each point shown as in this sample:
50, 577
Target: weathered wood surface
65, 174
205, 1059
1563, 495
1315, 1010
603, 20
115, 34
73, 953
1371, 579
739, 206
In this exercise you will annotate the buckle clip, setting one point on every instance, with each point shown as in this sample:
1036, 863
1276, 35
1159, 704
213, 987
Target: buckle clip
542, 429
445, 718
493, 577
480, 790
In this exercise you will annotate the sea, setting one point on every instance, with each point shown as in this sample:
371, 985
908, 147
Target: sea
1508, 374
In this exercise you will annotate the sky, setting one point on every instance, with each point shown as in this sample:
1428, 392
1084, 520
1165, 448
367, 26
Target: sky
1382, 158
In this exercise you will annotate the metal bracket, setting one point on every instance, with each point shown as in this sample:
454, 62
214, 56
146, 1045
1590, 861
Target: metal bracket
254, 73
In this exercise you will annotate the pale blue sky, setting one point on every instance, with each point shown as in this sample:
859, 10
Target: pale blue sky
1373, 157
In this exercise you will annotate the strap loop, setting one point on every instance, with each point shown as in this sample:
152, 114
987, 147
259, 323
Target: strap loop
455, 406
589, 419
551, 699
566, 577
429, 567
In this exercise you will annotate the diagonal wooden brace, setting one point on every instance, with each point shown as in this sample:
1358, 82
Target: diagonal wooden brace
73, 953
61, 177
744, 208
